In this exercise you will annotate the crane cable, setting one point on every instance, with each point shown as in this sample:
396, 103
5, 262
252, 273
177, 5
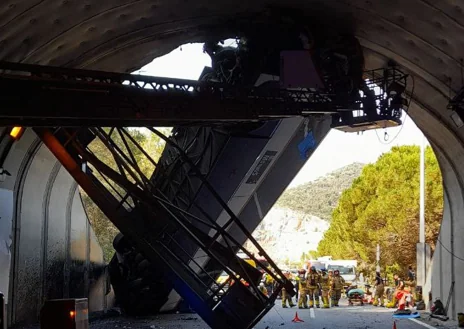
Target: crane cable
386, 137
449, 251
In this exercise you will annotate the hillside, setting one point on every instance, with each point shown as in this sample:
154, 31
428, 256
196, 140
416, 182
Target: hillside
320, 197
286, 234
296, 224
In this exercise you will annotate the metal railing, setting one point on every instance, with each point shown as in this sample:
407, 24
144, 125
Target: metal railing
107, 165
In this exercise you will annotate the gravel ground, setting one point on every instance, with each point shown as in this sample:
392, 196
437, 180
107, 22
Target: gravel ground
352, 317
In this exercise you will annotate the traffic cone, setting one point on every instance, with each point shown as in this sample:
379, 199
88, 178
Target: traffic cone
296, 318
394, 325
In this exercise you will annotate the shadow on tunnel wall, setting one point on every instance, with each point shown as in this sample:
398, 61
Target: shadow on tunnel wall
54, 253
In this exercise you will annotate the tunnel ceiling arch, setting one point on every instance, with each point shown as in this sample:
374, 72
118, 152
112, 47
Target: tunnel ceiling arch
123, 35
424, 37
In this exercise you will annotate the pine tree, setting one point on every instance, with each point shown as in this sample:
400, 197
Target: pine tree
382, 206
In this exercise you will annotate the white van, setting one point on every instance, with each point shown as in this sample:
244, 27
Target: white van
347, 269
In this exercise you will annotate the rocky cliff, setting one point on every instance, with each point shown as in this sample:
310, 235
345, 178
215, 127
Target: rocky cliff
298, 220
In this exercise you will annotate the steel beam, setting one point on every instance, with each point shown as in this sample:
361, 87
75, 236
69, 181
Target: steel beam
69, 97
151, 223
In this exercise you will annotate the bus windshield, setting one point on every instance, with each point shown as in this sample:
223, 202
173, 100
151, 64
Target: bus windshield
343, 269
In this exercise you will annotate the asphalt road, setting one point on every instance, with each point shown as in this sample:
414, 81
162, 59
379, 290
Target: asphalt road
343, 317
352, 317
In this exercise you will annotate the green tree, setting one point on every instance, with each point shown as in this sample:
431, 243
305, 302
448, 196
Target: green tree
382, 206
104, 229
313, 254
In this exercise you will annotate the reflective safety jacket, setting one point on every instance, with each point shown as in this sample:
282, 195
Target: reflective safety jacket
268, 279
313, 279
325, 282
301, 281
337, 282
263, 290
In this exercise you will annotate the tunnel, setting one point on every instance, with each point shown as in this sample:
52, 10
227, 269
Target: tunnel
422, 37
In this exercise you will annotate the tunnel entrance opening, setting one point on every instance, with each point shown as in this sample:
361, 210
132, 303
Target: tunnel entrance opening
220, 282
443, 160
216, 74
208, 76
341, 207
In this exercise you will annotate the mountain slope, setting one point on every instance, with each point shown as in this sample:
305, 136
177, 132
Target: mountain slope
286, 234
320, 197
298, 220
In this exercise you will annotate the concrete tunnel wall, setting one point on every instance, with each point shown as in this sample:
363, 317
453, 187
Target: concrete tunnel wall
45, 188
448, 260
424, 38
53, 251
429, 112
445, 268
43, 198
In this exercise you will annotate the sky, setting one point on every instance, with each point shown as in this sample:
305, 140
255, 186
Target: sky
337, 150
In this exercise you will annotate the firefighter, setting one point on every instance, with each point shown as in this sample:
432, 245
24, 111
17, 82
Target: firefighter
313, 283
398, 281
411, 283
325, 286
297, 286
379, 290
337, 285
399, 285
285, 296
263, 289
411, 274
331, 273
403, 296
302, 288
269, 283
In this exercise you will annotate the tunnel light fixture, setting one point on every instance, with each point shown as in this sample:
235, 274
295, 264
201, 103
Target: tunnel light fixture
69, 313
456, 119
16, 132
